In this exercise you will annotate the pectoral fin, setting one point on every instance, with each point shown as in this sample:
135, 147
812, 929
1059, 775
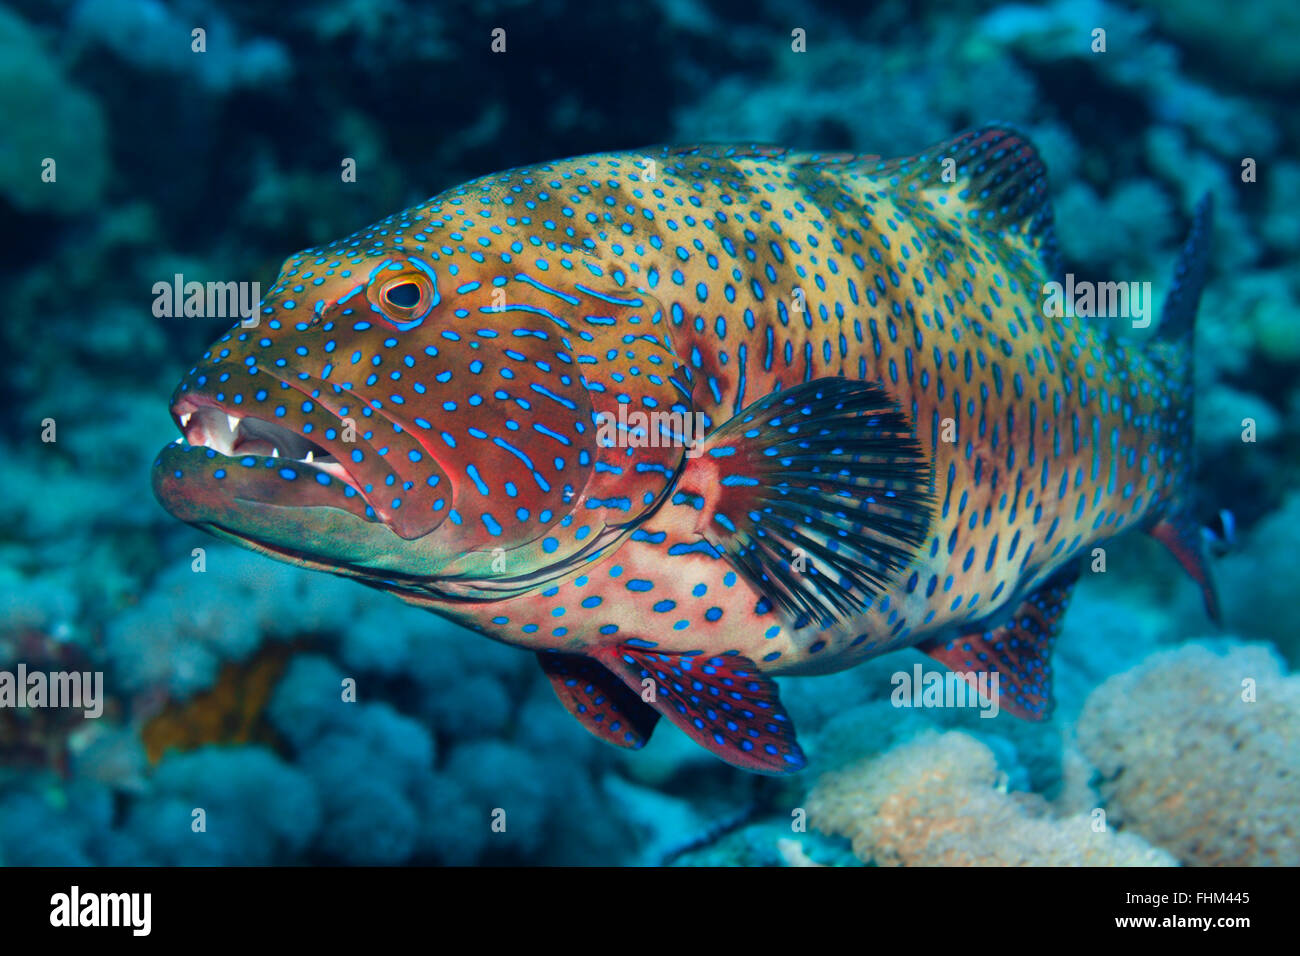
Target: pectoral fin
819, 494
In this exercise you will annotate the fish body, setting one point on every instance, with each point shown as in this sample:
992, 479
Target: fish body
683, 420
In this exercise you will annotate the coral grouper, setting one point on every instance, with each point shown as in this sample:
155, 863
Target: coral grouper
684, 419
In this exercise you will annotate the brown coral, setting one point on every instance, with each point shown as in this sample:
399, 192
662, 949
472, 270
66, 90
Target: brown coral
230, 712
940, 800
1189, 761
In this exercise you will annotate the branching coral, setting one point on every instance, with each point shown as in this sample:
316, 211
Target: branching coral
255, 809
192, 621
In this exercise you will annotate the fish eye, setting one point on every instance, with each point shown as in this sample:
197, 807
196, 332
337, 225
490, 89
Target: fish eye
405, 300
402, 295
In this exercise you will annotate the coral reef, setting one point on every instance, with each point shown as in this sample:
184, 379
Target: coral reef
213, 607
941, 800
231, 711
150, 36
255, 810
771, 843
1199, 752
1258, 39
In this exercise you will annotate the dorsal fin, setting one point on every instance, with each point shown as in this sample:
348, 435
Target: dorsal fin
996, 182
1179, 314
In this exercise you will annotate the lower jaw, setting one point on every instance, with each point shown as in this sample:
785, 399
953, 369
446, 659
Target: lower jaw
199, 485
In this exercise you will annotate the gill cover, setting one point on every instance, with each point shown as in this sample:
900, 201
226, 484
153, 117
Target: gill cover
568, 475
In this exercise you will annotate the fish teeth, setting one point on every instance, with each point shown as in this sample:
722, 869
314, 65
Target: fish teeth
185, 419
310, 458
234, 423
275, 453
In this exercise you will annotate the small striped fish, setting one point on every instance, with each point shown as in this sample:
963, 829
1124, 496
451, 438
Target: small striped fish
682, 420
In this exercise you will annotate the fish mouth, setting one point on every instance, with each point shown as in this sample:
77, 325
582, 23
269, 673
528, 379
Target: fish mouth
241, 475
273, 456
207, 424
273, 490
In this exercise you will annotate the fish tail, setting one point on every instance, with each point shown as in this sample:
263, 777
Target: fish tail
1175, 525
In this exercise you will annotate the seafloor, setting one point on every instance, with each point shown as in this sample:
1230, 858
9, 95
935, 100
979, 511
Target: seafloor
1174, 742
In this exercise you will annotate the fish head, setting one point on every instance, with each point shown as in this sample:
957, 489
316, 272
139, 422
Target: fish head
426, 421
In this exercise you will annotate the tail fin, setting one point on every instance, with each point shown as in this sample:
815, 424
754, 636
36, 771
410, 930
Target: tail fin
1177, 528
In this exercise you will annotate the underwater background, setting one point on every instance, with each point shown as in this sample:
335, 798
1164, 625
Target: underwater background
222, 675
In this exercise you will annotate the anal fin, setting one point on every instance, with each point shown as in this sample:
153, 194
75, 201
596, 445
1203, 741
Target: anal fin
599, 700
1019, 652
722, 703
